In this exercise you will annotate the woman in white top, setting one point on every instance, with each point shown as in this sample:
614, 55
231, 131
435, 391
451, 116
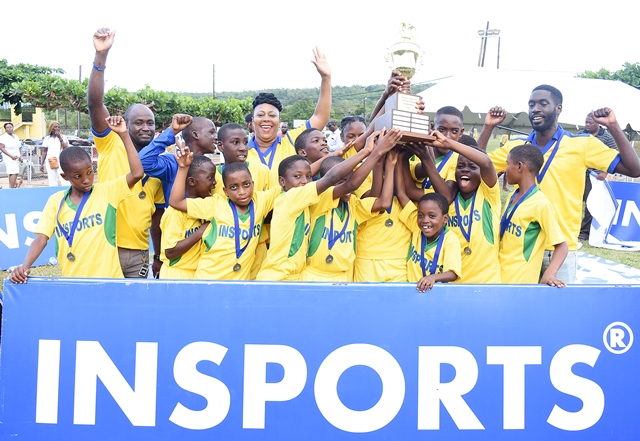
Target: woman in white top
10, 147
53, 144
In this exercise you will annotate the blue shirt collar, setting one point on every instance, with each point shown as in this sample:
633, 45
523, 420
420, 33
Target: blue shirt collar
559, 134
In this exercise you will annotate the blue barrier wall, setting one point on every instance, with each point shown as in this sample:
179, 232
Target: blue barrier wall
184, 361
20, 210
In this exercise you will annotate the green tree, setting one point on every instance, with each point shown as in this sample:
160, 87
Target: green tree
11, 75
629, 74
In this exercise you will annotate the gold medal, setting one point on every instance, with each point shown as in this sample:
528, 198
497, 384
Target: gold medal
329, 259
70, 257
388, 223
467, 251
237, 267
142, 195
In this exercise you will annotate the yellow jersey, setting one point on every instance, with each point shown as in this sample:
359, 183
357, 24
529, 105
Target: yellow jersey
422, 254
219, 260
480, 253
134, 215
283, 147
341, 222
93, 251
563, 180
177, 226
532, 228
385, 236
446, 165
290, 227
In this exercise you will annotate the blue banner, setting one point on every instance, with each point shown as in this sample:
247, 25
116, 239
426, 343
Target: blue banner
20, 210
105, 360
626, 222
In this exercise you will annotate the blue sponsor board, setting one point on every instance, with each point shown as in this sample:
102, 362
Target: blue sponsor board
106, 360
20, 210
626, 222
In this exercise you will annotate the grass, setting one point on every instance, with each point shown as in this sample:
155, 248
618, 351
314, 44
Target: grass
45, 270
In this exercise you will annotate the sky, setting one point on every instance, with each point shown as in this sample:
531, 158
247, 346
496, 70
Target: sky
258, 45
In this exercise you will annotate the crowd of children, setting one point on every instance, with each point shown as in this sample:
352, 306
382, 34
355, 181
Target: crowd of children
286, 208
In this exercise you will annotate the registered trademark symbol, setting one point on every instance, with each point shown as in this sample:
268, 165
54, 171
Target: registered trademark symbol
618, 338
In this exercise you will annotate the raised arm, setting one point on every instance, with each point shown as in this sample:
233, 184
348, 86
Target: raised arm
396, 80
320, 116
186, 244
495, 116
423, 152
154, 163
386, 197
378, 149
629, 164
402, 167
102, 41
117, 124
184, 157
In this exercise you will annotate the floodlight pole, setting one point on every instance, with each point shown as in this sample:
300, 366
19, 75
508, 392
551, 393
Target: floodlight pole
483, 46
498, 66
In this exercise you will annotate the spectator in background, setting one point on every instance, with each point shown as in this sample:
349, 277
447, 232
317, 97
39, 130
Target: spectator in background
248, 121
52, 145
333, 140
10, 147
593, 128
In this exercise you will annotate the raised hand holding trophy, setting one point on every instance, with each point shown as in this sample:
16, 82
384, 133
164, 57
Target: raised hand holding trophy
400, 109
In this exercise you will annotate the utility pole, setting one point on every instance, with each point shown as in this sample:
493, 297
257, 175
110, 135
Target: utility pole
484, 44
214, 82
498, 66
78, 112
364, 107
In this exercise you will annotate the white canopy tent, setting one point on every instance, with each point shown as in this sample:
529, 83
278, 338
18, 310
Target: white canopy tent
477, 90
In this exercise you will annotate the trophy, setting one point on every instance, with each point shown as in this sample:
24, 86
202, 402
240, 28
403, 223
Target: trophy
400, 108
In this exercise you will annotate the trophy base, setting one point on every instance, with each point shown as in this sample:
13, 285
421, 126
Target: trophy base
415, 126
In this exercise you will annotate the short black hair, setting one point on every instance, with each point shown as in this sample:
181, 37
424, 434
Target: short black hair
303, 138
198, 161
234, 167
529, 155
450, 110
468, 140
351, 119
329, 163
555, 93
248, 117
7, 124
288, 162
73, 155
267, 98
222, 133
197, 124
439, 199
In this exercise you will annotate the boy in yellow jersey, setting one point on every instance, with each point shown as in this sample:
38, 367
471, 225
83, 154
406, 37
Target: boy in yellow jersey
181, 234
448, 121
567, 157
236, 220
233, 144
529, 224
290, 224
434, 254
474, 214
141, 213
332, 244
83, 218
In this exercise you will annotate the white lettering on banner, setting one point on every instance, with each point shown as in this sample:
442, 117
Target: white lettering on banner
29, 222
48, 381
257, 391
614, 336
213, 390
630, 209
326, 388
567, 382
514, 359
431, 391
10, 237
138, 404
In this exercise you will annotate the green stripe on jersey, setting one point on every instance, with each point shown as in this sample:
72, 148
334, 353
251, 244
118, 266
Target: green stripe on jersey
210, 239
298, 236
487, 222
530, 238
316, 235
110, 225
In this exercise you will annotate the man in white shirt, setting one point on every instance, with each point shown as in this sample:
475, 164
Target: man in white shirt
333, 140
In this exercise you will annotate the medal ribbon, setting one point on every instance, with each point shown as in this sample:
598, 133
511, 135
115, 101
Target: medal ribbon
74, 225
465, 234
426, 184
332, 240
559, 134
145, 178
434, 264
507, 215
236, 224
271, 151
